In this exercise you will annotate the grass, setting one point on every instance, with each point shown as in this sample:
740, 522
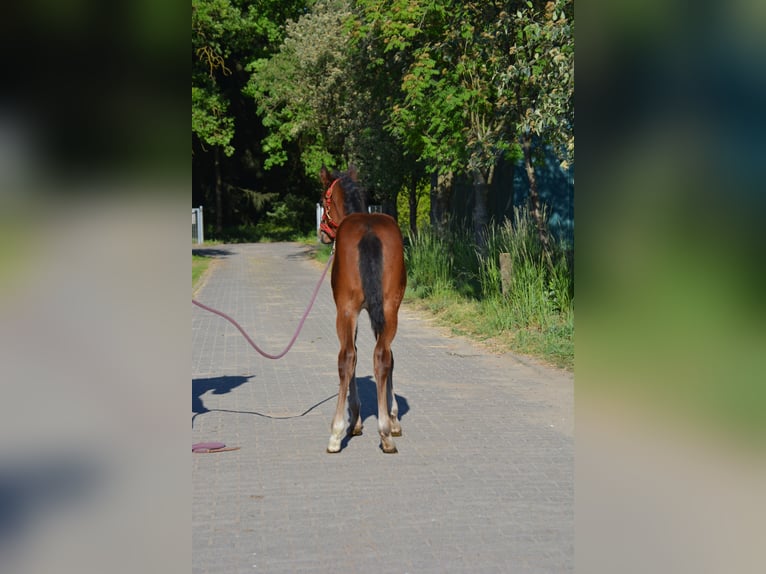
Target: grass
460, 283
199, 266
430, 265
491, 323
322, 253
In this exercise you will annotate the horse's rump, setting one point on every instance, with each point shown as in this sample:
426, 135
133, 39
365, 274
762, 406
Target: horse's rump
371, 243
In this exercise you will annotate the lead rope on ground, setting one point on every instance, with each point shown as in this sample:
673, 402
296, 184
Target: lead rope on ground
297, 331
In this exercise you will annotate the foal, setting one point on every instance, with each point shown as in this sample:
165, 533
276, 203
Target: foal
368, 273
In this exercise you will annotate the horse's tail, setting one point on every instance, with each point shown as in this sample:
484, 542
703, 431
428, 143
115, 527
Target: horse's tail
371, 271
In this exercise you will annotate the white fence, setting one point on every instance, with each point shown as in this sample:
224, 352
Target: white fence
197, 225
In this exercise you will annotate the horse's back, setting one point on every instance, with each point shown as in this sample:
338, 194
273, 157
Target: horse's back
379, 223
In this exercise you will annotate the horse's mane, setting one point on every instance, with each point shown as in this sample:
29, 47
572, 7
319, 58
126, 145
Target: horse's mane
354, 195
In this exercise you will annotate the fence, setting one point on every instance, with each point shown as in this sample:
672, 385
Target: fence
197, 225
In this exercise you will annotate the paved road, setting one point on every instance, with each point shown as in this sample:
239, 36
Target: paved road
483, 481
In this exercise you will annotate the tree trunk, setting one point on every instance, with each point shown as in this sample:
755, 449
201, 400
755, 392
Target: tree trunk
441, 192
218, 191
480, 212
534, 198
413, 204
390, 206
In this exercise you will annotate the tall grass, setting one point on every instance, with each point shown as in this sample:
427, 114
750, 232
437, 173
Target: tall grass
536, 312
541, 287
430, 264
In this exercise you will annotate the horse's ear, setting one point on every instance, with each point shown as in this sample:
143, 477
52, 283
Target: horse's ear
353, 173
324, 175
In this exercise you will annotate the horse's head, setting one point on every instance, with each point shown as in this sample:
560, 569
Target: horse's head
341, 196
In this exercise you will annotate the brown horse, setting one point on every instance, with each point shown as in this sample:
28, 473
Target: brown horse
368, 273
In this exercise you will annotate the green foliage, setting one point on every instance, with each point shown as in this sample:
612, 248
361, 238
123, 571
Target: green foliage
217, 28
540, 74
463, 283
210, 119
474, 80
399, 87
301, 90
429, 264
322, 252
282, 221
224, 34
423, 216
199, 266
279, 223
468, 68
241, 233
537, 291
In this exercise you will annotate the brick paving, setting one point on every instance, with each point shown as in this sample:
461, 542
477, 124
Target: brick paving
483, 481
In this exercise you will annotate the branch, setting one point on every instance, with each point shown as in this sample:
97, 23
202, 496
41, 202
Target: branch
213, 60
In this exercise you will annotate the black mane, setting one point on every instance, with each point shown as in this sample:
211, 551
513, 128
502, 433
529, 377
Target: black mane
354, 195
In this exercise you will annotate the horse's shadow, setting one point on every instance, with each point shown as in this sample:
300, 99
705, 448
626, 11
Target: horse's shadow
226, 384
211, 252
306, 252
218, 385
368, 395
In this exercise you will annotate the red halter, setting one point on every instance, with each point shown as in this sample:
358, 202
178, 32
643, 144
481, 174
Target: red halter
328, 225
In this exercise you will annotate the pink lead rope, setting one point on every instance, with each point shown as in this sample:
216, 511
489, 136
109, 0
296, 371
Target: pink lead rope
297, 331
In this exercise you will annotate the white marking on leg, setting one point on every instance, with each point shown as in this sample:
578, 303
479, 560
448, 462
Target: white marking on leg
334, 444
336, 435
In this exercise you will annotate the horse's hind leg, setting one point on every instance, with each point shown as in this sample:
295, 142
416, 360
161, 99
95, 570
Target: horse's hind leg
393, 406
388, 425
354, 407
346, 326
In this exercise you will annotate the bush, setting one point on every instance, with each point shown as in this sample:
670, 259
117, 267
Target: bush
278, 225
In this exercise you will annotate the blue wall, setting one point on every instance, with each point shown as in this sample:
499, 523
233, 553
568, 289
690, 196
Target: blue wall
511, 188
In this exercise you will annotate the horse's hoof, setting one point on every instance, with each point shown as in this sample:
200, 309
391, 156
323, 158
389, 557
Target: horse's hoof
356, 432
390, 449
334, 445
396, 432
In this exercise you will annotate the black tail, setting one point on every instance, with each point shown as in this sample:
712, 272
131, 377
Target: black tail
371, 271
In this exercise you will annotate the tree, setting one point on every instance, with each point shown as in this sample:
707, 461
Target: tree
480, 80
409, 87
540, 80
450, 115
300, 90
213, 22
325, 90
382, 154
225, 35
